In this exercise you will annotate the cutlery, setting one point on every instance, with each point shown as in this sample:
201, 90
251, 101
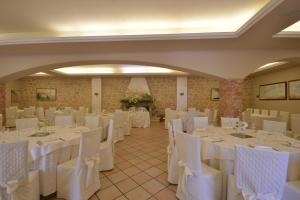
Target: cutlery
217, 141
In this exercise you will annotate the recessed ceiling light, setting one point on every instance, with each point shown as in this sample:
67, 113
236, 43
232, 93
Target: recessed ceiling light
270, 65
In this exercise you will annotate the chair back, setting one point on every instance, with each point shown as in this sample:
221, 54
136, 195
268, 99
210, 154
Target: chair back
40, 113
200, 122
171, 136
89, 147
49, 114
80, 117
295, 123
215, 115
64, 120
92, 121
274, 113
13, 162
110, 131
274, 126
246, 116
265, 112
229, 122
177, 125
189, 151
28, 112
26, 123
260, 171
11, 112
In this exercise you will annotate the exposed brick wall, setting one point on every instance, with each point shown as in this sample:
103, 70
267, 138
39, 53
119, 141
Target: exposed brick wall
199, 93
232, 97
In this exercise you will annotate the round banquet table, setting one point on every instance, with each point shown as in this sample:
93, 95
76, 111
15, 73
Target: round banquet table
140, 119
218, 149
46, 152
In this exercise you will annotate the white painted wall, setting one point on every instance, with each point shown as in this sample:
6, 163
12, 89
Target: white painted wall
181, 92
96, 95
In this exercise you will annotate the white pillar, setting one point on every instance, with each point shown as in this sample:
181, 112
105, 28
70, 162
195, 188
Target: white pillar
96, 95
181, 92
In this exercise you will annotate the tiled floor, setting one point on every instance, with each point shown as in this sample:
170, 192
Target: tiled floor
140, 168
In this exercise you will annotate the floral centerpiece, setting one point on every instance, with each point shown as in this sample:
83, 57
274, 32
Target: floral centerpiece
138, 100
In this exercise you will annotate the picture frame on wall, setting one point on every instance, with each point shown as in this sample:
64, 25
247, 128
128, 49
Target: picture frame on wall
215, 94
273, 91
294, 89
46, 94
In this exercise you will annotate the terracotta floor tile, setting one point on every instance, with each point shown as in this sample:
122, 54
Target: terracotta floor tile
153, 171
132, 171
123, 165
141, 178
138, 194
154, 161
117, 177
166, 194
126, 185
105, 182
121, 198
143, 165
153, 186
163, 179
109, 193
110, 172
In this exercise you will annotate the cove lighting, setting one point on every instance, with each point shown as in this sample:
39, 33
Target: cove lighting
270, 65
293, 28
85, 70
40, 74
115, 69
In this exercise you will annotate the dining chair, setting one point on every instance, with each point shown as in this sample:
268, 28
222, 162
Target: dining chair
196, 180
274, 113
107, 150
80, 117
50, 116
78, 179
264, 112
169, 115
26, 123
172, 157
92, 121
127, 123
295, 124
16, 181
40, 113
64, 120
118, 133
256, 111
29, 112
229, 122
274, 126
259, 173
246, 116
200, 122
215, 115
292, 189
177, 125
11, 114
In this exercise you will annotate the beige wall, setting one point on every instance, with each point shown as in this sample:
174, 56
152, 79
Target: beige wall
292, 106
73, 92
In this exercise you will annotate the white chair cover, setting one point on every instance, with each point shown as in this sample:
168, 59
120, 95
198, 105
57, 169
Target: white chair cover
40, 114
15, 181
127, 123
28, 112
68, 111
11, 116
196, 180
177, 125
172, 157
80, 117
246, 116
64, 120
78, 179
292, 191
118, 127
50, 116
169, 115
26, 123
265, 112
295, 124
107, 150
92, 121
188, 121
274, 126
200, 122
274, 113
215, 115
229, 122
260, 174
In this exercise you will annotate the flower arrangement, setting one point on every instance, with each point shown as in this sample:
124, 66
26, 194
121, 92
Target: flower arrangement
137, 99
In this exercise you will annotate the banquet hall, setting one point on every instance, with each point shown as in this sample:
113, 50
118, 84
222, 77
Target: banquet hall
150, 100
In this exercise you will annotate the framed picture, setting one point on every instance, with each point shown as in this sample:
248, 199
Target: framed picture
294, 89
46, 94
274, 91
215, 94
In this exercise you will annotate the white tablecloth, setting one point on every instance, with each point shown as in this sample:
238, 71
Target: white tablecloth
140, 119
217, 149
45, 153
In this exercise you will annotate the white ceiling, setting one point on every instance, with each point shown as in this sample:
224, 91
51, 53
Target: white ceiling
68, 18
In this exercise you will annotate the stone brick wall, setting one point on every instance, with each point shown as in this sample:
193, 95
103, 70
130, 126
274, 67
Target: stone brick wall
164, 91
113, 90
232, 97
199, 93
72, 92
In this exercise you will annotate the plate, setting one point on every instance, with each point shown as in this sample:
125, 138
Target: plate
241, 135
40, 134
